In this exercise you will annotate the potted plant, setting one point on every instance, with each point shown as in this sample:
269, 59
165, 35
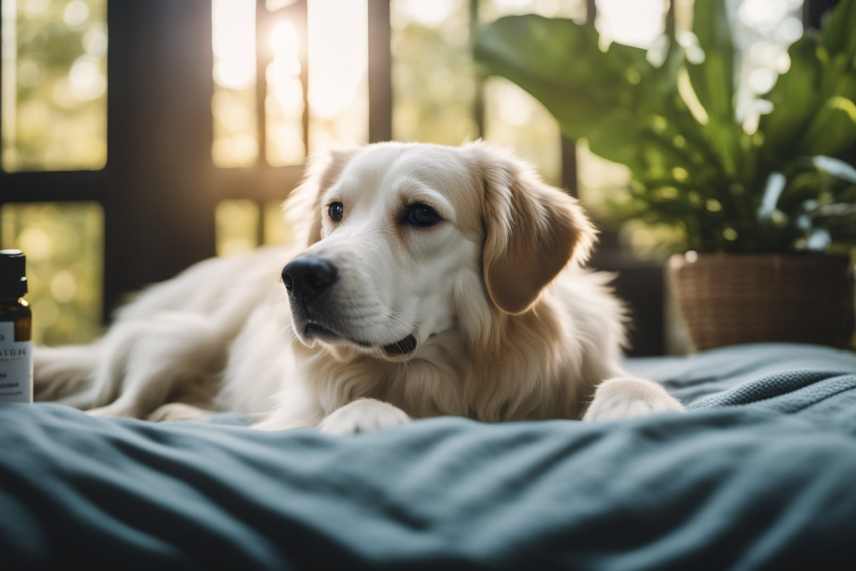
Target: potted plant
766, 213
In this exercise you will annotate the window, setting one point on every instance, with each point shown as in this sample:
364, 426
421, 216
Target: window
54, 118
300, 70
316, 51
234, 101
64, 264
312, 95
54, 85
338, 74
433, 80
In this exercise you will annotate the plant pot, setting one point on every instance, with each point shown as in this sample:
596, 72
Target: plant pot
728, 299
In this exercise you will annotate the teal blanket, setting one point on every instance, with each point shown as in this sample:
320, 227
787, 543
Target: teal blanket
760, 473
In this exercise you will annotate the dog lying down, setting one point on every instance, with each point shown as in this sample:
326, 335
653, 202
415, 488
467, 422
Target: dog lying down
430, 281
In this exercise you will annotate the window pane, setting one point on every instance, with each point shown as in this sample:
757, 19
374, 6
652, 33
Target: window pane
274, 5
600, 181
638, 23
515, 120
432, 73
284, 104
64, 244
338, 74
276, 229
54, 84
234, 101
237, 226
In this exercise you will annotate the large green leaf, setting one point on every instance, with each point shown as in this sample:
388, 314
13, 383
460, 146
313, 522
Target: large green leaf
713, 77
832, 129
560, 63
837, 34
813, 102
795, 99
610, 97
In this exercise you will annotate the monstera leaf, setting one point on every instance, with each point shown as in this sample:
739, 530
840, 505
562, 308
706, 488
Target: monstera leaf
563, 67
614, 98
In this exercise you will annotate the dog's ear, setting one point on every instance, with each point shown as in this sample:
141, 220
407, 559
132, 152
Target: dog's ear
303, 207
532, 230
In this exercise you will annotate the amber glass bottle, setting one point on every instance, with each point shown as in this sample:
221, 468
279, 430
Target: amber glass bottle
16, 356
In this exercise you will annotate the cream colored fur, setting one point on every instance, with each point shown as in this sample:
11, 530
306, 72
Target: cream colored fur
508, 324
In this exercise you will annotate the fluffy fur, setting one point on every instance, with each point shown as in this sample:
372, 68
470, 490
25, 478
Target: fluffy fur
507, 324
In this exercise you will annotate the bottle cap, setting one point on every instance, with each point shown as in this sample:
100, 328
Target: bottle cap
13, 275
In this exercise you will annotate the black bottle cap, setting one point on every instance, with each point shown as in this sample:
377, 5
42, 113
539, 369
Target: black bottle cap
13, 274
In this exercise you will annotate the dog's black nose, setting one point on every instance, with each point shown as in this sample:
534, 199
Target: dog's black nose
309, 276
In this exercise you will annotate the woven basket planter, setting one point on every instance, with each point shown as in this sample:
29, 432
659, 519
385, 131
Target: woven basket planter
729, 299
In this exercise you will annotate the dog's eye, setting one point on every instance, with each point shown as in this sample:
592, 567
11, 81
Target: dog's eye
421, 216
336, 210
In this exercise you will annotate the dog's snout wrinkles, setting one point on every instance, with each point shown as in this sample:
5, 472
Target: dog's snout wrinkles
309, 276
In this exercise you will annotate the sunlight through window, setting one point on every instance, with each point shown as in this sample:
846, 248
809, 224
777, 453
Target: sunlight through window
433, 78
284, 104
637, 23
234, 100
338, 73
54, 85
64, 244
237, 224
513, 118
336, 34
277, 231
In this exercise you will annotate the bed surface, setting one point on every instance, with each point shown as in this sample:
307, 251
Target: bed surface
760, 473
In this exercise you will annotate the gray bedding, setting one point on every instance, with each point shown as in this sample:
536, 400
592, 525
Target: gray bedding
760, 473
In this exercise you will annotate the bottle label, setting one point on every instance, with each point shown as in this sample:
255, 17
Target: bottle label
16, 366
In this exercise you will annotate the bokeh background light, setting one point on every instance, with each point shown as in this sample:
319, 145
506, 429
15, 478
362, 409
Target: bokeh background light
54, 85
234, 101
338, 74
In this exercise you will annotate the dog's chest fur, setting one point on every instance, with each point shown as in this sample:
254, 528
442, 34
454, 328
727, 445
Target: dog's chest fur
526, 370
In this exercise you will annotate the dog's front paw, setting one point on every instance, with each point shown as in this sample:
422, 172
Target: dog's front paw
627, 397
363, 415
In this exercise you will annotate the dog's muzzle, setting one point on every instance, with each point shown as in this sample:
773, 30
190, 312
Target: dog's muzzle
307, 279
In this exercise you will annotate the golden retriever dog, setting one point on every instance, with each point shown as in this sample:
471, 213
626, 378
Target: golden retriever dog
430, 281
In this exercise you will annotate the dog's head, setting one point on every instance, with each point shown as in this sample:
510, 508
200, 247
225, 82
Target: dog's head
406, 242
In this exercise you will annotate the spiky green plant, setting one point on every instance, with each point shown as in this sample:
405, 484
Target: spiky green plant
787, 186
